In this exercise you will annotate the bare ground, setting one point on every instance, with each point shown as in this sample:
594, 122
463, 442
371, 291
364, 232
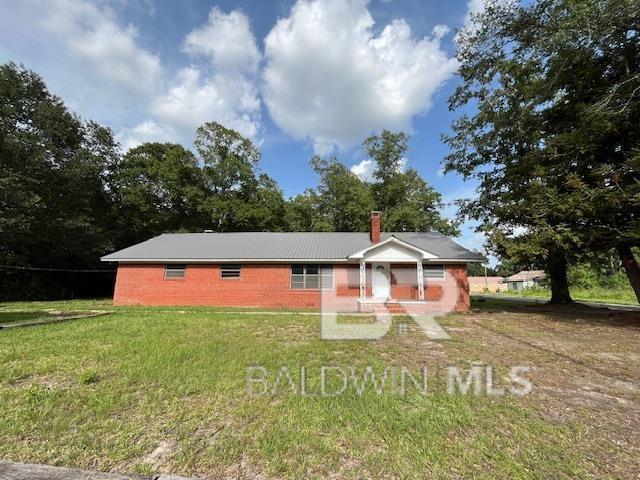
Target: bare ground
585, 369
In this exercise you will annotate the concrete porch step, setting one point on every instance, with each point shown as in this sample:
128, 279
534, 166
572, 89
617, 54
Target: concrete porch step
394, 307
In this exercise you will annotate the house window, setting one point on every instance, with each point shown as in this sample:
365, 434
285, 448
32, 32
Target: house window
230, 271
312, 277
433, 272
174, 271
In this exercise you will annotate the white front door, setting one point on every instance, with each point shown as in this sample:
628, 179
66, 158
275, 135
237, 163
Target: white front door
380, 281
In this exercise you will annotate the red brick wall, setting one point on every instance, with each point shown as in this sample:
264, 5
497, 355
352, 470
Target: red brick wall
261, 285
404, 284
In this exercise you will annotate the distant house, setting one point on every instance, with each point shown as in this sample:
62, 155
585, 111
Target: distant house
525, 279
350, 270
487, 284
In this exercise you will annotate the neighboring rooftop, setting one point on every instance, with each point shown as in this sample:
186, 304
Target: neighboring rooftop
525, 275
280, 246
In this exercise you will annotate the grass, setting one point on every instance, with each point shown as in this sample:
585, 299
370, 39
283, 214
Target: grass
165, 390
624, 296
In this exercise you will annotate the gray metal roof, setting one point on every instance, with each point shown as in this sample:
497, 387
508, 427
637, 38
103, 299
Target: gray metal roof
275, 246
524, 275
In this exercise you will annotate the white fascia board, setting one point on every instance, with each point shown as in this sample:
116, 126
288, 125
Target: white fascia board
425, 255
453, 260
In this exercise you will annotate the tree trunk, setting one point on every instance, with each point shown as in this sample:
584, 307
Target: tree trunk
631, 267
557, 264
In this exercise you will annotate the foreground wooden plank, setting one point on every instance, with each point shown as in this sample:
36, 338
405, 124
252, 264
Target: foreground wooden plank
29, 471
46, 321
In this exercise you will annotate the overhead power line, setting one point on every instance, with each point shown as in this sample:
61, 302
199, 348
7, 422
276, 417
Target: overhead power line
46, 269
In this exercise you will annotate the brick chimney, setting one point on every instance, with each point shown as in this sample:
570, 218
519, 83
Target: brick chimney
374, 227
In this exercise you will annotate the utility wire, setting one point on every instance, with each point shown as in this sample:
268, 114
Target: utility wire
43, 269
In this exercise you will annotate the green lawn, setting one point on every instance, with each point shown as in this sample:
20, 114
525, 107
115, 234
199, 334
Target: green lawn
164, 390
600, 295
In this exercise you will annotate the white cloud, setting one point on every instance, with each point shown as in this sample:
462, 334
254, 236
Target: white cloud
364, 170
228, 40
147, 131
113, 74
329, 79
227, 97
229, 94
93, 34
474, 7
440, 31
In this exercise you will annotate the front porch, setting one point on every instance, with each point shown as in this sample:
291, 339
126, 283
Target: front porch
392, 276
396, 271
381, 282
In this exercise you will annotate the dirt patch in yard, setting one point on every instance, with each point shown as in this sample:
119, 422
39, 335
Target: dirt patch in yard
159, 456
585, 370
584, 365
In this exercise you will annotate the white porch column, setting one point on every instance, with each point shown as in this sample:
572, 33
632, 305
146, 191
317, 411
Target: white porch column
363, 279
420, 280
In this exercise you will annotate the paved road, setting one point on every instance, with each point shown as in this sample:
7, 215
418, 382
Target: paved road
609, 306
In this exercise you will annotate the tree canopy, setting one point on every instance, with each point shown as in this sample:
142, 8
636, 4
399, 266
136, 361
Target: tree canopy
52, 167
405, 199
343, 202
554, 137
156, 187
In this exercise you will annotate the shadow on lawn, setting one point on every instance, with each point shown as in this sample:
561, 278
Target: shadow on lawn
7, 317
574, 314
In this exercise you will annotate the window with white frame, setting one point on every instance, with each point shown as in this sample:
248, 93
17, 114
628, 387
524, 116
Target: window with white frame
174, 271
230, 270
433, 272
311, 277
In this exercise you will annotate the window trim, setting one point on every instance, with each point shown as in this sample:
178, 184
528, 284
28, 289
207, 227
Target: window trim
441, 278
319, 275
229, 267
175, 266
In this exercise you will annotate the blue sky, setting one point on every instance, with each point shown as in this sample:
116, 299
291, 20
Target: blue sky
298, 77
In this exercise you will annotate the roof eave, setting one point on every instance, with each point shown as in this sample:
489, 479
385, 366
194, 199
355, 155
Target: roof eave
267, 260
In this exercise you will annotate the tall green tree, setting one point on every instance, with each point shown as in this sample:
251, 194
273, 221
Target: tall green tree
237, 196
156, 188
343, 197
407, 201
265, 210
53, 205
304, 213
554, 138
